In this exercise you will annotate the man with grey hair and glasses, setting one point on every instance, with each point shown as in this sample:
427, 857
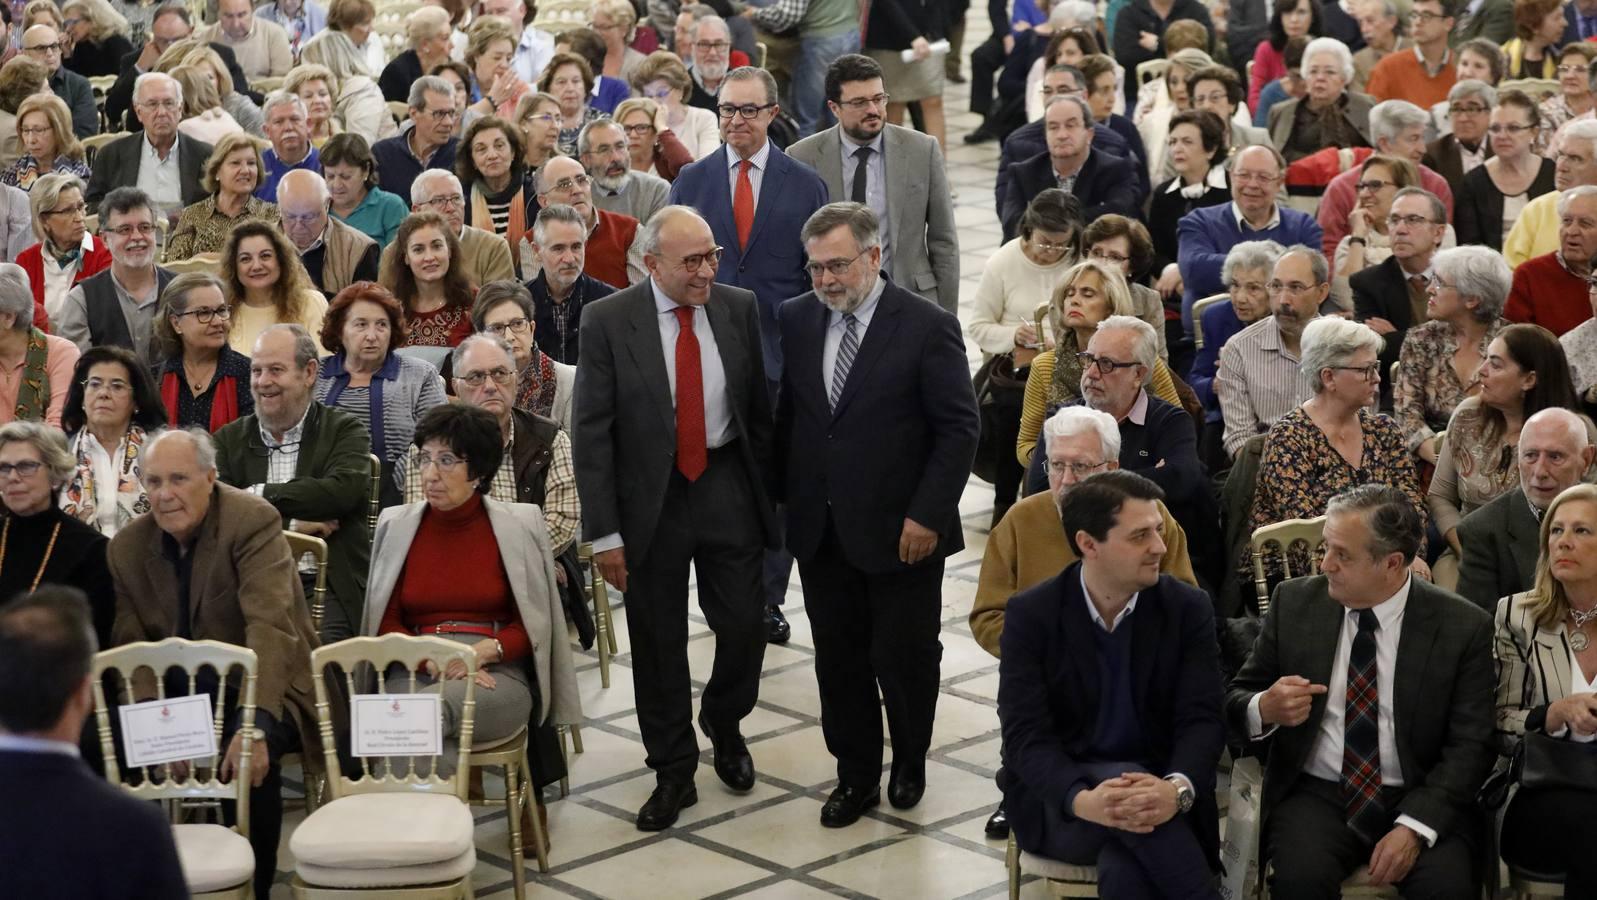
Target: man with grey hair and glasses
1394, 295
428, 141
160, 161
617, 187
335, 255
116, 306
875, 432
612, 251
38, 367
561, 288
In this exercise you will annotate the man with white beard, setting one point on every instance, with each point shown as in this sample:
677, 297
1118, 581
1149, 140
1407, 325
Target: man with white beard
117, 306
617, 187
876, 427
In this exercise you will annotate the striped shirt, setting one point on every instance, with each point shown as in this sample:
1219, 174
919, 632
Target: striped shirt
1258, 382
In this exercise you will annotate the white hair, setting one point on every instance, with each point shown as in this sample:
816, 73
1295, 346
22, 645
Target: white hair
1329, 341
419, 193
1073, 14
282, 98
153, 78
1071, 421
1575, 193
1391, 118
1146, 348
1336, 48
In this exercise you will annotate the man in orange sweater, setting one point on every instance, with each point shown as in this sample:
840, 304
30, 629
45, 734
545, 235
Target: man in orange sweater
1425, 74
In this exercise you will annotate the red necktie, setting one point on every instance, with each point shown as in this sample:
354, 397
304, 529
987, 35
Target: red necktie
743, 204
692, 456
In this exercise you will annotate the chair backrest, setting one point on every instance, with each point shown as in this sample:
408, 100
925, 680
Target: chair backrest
1538, 88
298, 546
93, 143
1283, 536
1197, 316
266, 84
369, 662
139, 672
437, 356
1152, 70
375, 504
199, 262
1040, 319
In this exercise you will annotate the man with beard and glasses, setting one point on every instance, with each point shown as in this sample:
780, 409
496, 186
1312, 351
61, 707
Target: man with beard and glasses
876, 428
1258, 380
712, 48
897, 172
310, 461
617, 187
561, 289
117, 306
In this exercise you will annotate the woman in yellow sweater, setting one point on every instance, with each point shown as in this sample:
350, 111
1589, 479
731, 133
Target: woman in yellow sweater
1089, 293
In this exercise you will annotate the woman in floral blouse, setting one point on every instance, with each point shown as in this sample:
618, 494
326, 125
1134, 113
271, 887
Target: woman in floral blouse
1441, 359
44, 125
1332, 442
233, 173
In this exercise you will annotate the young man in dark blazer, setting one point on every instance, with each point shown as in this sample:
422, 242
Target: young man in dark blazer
876, 429
67, 832
672, 436
1109, 693
1372, 693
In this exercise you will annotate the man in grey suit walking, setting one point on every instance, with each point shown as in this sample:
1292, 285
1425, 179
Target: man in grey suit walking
672, 438
901, 179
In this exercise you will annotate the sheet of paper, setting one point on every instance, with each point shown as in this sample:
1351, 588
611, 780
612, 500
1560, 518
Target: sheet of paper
163, 731
396, 725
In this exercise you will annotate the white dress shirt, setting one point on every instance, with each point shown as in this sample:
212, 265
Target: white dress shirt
58, 279
159, 177
875, 185
756, 172
835, 328
1577, 685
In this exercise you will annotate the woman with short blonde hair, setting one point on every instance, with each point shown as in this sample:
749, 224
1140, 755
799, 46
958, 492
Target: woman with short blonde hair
232, 174
427, 34
316, 85
44, 125
237, 104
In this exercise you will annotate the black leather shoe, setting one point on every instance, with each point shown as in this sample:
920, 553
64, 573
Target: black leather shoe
847, 804
777, 631
907, 784
665, 804
980, 136
998, 823
733, 764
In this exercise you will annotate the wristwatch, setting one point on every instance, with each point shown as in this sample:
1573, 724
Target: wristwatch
1184, 795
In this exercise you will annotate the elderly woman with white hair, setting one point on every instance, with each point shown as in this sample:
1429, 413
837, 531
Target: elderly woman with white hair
1333, 441
427, 32
357, 101
38, 389
1441, 359
1329, 115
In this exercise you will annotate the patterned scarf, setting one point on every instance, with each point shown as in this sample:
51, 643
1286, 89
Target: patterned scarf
78, 497
537, 392
1065, 387
34, 393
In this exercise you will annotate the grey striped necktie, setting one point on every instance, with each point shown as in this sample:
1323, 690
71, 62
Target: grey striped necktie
846, 350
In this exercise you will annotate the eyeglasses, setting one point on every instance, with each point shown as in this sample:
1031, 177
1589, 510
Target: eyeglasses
446, 462
838, 267
476, 379
1108, 256
74, 210
1412, 221
1437, 284
1245, 177
1048, 247
33, 132
442, 115
1323, 72
1467, 109
1424, 15
1215, 99
205, 314
1060, 91
712, 46
1077, 469
1368, 373
545, 118
1293, 288
310, 219
165, 105
1373, 184
566, 184
858, 104
26, 468
1106, 366
1508, 128
143, 229
116, 386
747, 110
446, 201
518, 325
58, 47
637, 130
694, 261
1572, 70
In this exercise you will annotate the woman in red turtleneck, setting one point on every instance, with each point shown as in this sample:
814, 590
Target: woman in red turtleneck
480, 572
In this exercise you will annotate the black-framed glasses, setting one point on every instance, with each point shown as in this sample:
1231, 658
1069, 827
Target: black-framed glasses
476, 379
205, 314
712, 46
1508, 128
519, 325
1108, 256
638, 130
566, 184
1372, 185
57, 47
1425, 15
442, 115
858, 104
838, 267
77, 209
746, 110
446, 201
1291, 288
695, 261
1412, 221
27, 468
142, 229
1106, 366
1369, 372
1467, 109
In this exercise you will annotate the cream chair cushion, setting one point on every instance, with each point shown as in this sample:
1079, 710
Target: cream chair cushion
214, 858
395, 876
379, 831
1031, 864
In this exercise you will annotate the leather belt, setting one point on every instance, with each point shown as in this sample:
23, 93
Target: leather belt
486, 629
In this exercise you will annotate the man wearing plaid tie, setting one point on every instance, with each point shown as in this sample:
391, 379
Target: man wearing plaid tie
1374, 690
876, 429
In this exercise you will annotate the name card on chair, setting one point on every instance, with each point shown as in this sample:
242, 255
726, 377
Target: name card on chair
396, 725
164, 731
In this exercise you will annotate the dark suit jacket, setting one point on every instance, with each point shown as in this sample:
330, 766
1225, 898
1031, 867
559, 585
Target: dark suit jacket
117, 164
332, 482
1478, 208
1501, 542
1493, 21
1048, 695
1444, 157
1028, 140
1381, 291
119, 99
1105, 184
624, 423
899, 444
1443, 712
772, 265
71, 834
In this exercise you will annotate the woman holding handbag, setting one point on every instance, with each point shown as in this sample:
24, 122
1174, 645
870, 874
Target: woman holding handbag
1546, 649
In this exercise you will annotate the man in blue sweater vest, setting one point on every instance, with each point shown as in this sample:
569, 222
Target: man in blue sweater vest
1109, 696
1207, 235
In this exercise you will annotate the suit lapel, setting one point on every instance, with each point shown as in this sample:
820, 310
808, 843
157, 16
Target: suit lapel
1074, 626
397, 535
1398, 312
644, 345
507, 531
255, 453
1318, 631
720, 214
830, 163
776, 165
1147, 629
1413, 656
1523, 537
304, 465
812, 330
884, 323
1552, 658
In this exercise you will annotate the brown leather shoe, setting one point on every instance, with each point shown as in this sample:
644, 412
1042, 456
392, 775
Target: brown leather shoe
528, 848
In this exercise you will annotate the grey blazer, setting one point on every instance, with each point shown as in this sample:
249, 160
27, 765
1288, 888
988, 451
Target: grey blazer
1532, 671
524, 548
643, 197
1501, 542
925, 240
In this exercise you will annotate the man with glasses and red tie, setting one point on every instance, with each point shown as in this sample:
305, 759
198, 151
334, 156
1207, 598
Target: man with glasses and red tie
672, 440
44, 44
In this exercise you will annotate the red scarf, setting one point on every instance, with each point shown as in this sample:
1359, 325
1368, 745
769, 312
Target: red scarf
224, 402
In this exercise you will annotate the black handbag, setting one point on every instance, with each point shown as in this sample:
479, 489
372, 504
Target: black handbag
1000, 392
1542, 763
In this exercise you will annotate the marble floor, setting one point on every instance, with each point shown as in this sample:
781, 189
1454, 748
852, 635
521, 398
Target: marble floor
769, 843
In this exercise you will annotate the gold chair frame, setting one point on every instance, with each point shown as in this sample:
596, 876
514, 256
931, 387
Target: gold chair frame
1072, 880
298, 546
510, 755
1197, 316
375, 503
604, 632
1284, 536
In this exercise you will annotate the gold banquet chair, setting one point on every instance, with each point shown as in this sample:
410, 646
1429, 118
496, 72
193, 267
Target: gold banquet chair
1283, 536
375, 507
1198, 308
217, 860
391, 832
298, 546
209, 263
604, 631
1062, 879
510, 755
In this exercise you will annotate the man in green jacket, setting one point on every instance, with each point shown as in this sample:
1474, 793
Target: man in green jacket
309, 461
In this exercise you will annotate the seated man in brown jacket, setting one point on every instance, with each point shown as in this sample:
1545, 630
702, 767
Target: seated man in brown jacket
1028, 545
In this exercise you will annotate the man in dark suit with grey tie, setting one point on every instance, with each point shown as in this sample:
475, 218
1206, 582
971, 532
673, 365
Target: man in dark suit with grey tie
671, 440
1374, 692
876, 429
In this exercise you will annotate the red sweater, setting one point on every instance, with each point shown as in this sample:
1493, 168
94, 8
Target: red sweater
607, 248
453, 573
32, 261
1546, 294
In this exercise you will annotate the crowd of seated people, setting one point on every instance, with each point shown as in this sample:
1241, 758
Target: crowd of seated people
1259, 263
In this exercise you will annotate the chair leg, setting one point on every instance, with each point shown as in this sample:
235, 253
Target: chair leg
601, 627
1012, 863
565, 759
601, 592
514, 802
529, 798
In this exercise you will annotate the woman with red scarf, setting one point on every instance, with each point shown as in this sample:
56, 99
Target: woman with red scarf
204, 383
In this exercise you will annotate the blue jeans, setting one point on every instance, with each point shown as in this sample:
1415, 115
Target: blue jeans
809, 78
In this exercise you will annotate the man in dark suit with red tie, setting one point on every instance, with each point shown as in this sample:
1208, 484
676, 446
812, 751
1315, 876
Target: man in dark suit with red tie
672, 432
876, 429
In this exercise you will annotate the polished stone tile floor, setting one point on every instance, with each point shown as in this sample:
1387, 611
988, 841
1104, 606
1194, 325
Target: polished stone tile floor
769, 843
